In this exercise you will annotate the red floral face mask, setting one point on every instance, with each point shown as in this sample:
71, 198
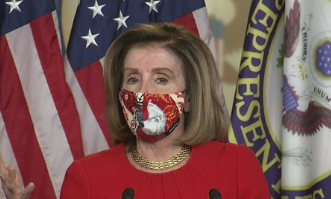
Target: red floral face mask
151, 117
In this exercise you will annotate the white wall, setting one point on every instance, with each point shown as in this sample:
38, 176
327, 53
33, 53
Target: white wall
228, 20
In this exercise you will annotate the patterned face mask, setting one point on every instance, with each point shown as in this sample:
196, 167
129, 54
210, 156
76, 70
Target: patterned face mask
151, 117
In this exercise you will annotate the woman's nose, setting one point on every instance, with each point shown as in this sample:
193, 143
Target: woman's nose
148, 87
145, 87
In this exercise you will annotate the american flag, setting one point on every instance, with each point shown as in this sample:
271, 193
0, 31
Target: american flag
39, 122
52, 109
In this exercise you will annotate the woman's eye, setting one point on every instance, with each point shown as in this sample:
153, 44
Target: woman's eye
132, 80
162, 81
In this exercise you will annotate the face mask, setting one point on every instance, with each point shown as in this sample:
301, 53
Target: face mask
151, 117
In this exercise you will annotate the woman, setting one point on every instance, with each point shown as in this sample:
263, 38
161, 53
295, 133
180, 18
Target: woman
163, 110
164, 115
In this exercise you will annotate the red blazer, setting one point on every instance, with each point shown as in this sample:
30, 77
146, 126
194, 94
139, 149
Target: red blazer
233, 170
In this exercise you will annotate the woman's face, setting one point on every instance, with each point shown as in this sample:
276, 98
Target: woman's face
152, 69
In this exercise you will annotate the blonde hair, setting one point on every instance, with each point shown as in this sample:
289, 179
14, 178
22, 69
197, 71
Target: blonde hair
205, 120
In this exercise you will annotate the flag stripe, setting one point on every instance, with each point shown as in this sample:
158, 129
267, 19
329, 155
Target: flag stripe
202, 23
188, 22
92, 135
8, 153
90, 80
57, 29
46, 121
19, 126
48, 50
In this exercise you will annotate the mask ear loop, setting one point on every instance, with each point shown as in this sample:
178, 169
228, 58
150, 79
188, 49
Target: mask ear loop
186, 101
185, 113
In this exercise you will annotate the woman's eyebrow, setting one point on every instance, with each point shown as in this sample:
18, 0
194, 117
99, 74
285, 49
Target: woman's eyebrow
130, 69
163, 69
